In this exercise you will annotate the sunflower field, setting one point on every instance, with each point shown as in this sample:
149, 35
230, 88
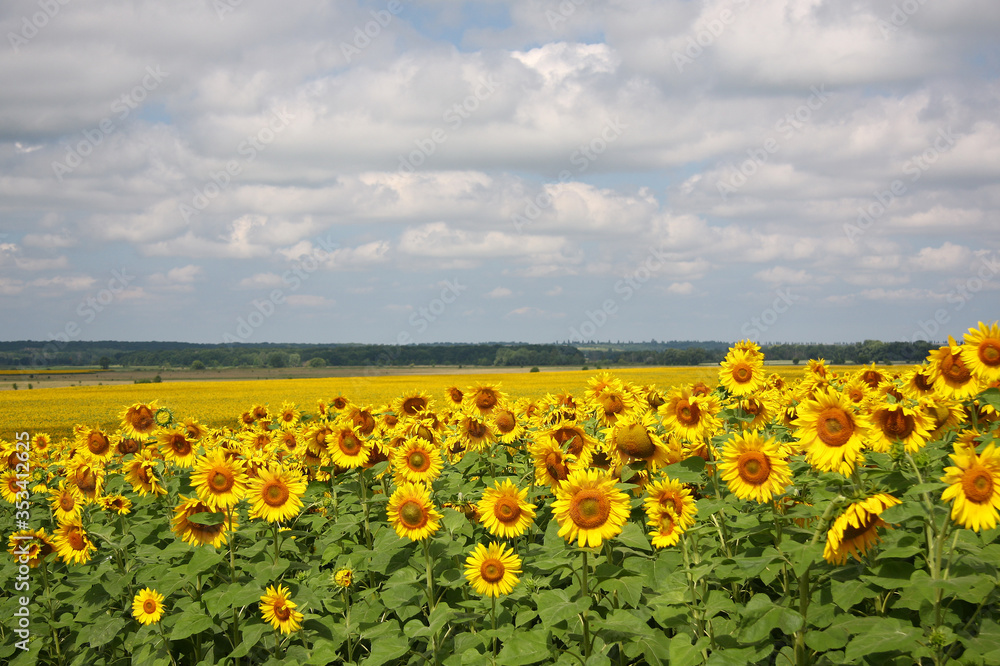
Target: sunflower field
829, 519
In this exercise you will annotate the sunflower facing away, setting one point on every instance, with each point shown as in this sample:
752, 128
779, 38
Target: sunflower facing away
219, 481
589, 508
754, 468
974, 487
856, 530
276, 494
411, 512
277, 607
492, 570
830, 432
505, 511
72, 543
147, 606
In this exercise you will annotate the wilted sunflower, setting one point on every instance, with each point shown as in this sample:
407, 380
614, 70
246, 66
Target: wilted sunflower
952, 377
742, 372
195, 533
504, 509
670, 494
897, 422
411, 512
690, 416
974, 487
177, 448
417, 461
632, 439
220, 481
276, 494
754, 468
277, 607
856, 530
139, 420
140, 472
589, 509
72, 543
831, 432
147, 606
981, 351
492, 570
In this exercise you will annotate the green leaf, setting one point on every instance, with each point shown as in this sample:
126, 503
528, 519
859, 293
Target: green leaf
105, 631
526, 648
207, 518
832, 638
633, 537
203, 559
885, 636
387, 649
191, 622
848, 593
689, 470
554, 606
252, 633
683, 652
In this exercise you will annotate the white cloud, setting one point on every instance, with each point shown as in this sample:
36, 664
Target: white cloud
500, 292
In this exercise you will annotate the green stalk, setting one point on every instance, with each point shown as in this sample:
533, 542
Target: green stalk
801, 654
52, 611
166, 644
364, 506
585, 616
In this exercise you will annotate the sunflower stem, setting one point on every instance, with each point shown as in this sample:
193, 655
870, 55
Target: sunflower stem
585, 588
347, 624
364, 506
166, 644
52, 612
277, 541
493, 623
430, 594
695, 613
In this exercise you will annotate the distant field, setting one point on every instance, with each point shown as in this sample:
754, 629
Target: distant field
217, 402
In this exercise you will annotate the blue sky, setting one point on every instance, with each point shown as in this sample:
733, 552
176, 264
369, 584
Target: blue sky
537, 171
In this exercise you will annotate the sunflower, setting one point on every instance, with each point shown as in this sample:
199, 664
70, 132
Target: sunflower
505, 424
412, 403
288, 415
193, 429
417, 461
670, 494
139, 420
981, 351
147, 606
633, 439
742, 372
127, 446
277, 607
572, 438
348, 447
276, 494
552, 464
830, 432
11, 485
72, 543
667, 528
30, 547
856, 530
974, 487
344, 577
220, 482
454, 396
952, 377
754, 468
177, 448
95, 444
473, 433
613, 401
504, 509
198, 534
411, 512
117, 503
492, 570
86, 476
589, 509
140, 472
361, 419
690, 416
760, 408
897, 422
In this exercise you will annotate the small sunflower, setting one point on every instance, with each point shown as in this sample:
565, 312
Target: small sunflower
417, 461
140, 471
454, 396
219, 481
176, 448
492, 570
504, 509
66, 503
86, 476
856, 530
289, 415
72, 543
117, 503
276, 494
754, 468
344, 577
139, 420
31, 545
277, 607
742, 372
482, 399
147, 606
831, 432
670, 494
411, 512
473, 433
974, 487
552, 464
667, 528
196, 533
589, 509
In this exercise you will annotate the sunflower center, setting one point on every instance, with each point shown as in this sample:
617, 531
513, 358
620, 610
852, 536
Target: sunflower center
413, 405
275, 494
613, 404
569, 438
687, 413
364, 422
486, 400
349, 444
977, 484
455, 395
281, 611
742, 373
412, 514
754, 467
141, 419
555, 467
142, 474
589, 509
507, 510
86, 480
492, 571
989, 352
476, 430
871, 377
98, 443
149, 606
180, 446
634, 441
67, 502
222, 480
834, 426
954, 369
896, 424
505, 422
921, 382
75, 540
418, 461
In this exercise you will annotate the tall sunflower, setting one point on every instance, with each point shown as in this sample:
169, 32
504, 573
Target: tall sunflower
219, 481
974, 487
952, 377
754, 468
72, 543
139, 420
277, 607
856, 529
412, 513
742, 372
147, 606
195, 533
670, 494
276, 494
898, 422
504, 509
831, 432
492, 570
690, 416
176, 448
417, 461
589, 509
981, 351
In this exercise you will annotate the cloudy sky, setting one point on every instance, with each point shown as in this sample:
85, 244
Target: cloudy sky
522, 170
